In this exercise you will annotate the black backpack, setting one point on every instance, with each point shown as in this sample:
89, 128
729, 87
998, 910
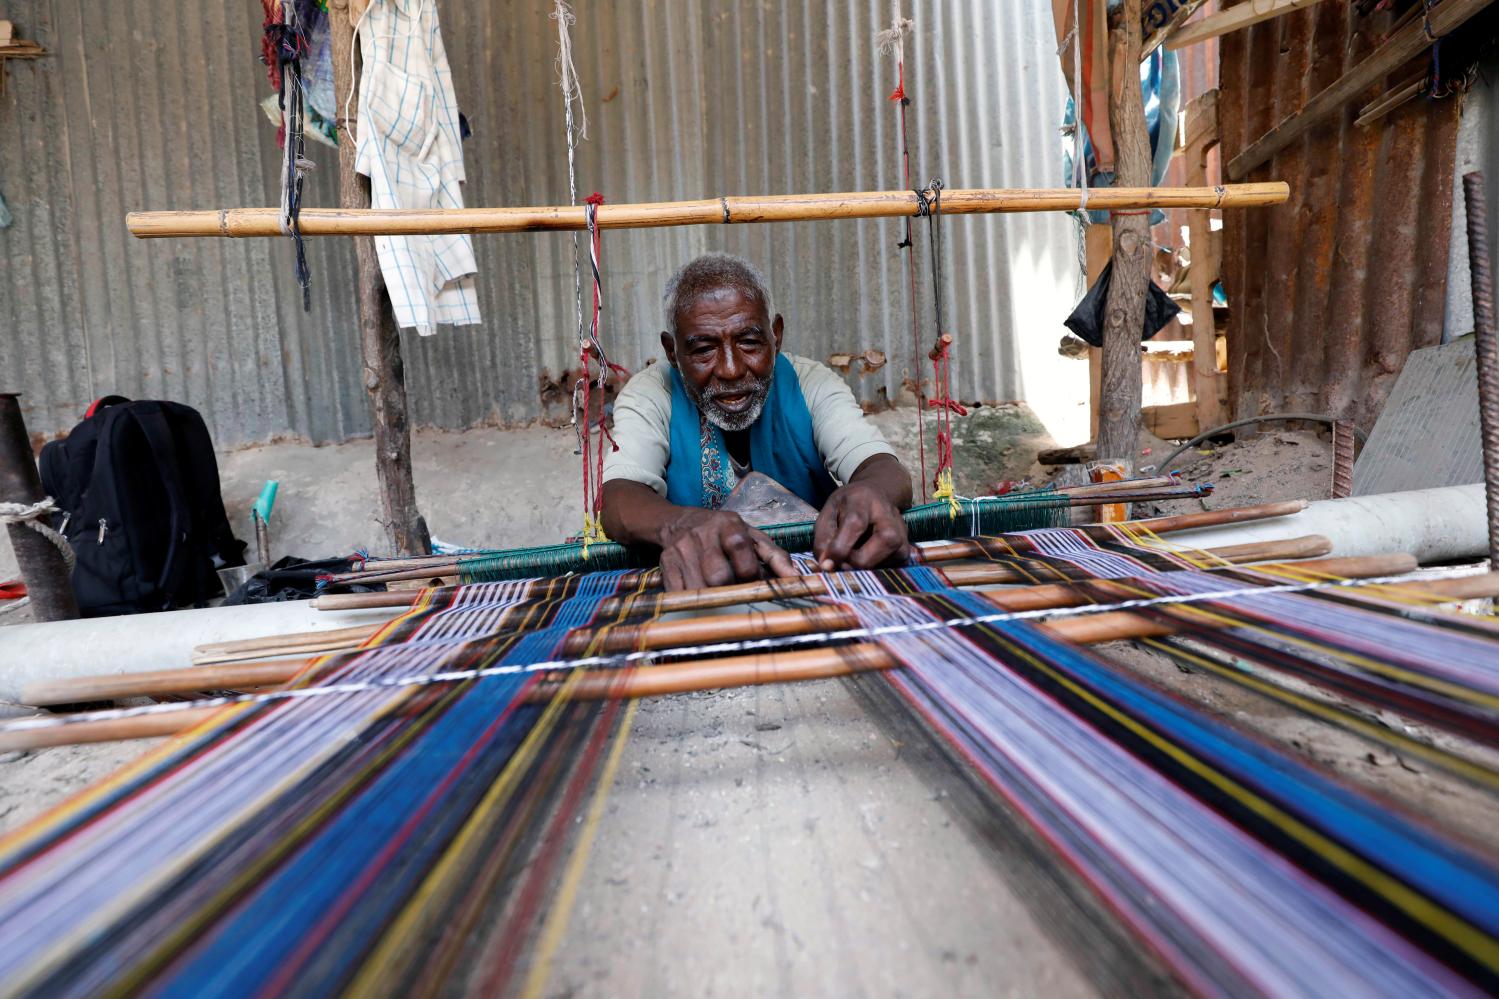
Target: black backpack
137, 485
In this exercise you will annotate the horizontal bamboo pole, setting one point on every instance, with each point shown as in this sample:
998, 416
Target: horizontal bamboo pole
713, 674
1309, 546
1157, 525
243, 222
927, 554
646, 635
652, 681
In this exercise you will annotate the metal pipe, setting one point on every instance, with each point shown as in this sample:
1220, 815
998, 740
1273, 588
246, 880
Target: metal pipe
48, 580
1485, 349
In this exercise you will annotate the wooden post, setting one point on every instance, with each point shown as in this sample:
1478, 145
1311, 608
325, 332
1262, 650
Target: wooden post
1098, 242
1207, 382
1119, 410
379, 338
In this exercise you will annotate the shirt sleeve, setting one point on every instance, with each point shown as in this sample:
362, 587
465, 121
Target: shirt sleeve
844, 436
642, 422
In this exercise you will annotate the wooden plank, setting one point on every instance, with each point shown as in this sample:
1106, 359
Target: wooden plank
1404, 45
1233, 19
1176, 421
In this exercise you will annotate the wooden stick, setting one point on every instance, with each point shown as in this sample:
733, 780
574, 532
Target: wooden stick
1233, 19
1402, 46
423, 569
242, 222
1310, 546
655, 634
1391, 100
1157, 525
714, 674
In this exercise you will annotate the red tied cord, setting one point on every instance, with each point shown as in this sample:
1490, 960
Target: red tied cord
941, 356
899, 93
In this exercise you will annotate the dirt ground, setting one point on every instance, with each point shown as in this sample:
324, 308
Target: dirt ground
795, 823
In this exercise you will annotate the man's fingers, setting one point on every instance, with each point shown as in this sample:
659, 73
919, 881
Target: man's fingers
883, 542
740, 548
714, 565
774, 557
825, 527
851, 527
671, 573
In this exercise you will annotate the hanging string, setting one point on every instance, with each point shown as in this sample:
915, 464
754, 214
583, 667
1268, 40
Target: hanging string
892, 41
284, 43
941, 357
589, 345
577, 129
591, 348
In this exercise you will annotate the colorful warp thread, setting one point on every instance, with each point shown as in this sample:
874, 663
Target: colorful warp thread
342, 842
1245, 869
405, 839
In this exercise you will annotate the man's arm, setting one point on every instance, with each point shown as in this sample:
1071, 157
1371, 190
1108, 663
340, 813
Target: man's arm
860, 525
698, 547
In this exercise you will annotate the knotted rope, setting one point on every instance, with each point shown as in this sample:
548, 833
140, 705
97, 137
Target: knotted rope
31, 517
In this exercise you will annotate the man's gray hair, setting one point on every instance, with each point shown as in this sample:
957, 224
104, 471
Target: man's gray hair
708, 273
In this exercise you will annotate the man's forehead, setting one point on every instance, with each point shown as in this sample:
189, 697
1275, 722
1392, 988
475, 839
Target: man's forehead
721, 306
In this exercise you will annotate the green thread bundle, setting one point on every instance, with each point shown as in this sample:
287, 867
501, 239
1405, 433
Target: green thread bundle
927, 522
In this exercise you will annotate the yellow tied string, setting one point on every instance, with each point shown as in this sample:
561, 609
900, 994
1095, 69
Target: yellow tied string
593, 532
945, 491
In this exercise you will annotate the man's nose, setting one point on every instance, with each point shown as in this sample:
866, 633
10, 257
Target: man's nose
730, 365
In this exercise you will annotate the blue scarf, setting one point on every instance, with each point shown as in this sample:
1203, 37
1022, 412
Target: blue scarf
698, 471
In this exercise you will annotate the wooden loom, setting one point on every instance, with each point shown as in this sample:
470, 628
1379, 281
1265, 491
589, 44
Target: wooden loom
819, 653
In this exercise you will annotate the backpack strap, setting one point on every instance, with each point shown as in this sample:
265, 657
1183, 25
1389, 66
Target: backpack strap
104, 402
158, 432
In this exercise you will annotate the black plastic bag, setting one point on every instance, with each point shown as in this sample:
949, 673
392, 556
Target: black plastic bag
1087, 319
293, 578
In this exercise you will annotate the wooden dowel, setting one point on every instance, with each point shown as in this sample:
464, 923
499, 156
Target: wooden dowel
945, 552
941, 552
278, 645
242, 222
1157, 525
705, 674
1310, 546
646, 635
720, 673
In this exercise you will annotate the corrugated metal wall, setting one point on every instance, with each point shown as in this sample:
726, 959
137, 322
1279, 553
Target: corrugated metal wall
1331, 291
140, 109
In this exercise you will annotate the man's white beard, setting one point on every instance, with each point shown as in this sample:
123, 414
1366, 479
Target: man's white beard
722, 419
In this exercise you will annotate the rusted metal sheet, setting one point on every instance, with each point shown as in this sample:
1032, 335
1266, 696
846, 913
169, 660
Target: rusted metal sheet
685, 99
1331, 291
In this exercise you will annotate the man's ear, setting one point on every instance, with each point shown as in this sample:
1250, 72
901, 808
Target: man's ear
777, 327
669, 344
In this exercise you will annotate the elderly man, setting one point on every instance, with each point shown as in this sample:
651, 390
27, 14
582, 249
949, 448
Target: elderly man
729, 402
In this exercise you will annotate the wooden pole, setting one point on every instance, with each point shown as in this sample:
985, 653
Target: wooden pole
379, 338
1308, 546
349, 221
655, 634
1233, 19
1124, 317
1207, 382
712, 674
303, 643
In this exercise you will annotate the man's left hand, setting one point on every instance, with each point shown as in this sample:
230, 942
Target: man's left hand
859, 528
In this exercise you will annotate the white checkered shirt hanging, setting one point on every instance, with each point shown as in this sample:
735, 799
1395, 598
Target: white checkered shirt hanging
409, 147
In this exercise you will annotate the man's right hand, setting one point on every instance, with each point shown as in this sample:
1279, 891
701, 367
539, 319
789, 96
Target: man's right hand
714, 548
